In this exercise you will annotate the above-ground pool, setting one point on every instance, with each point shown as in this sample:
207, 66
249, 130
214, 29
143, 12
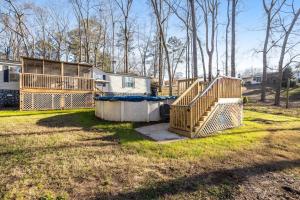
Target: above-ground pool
130, 108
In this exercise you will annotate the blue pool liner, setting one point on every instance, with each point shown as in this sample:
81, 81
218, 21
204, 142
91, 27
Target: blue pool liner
134, 98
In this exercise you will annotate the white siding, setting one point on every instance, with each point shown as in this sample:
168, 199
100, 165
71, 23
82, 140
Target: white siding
7, 85
115, 85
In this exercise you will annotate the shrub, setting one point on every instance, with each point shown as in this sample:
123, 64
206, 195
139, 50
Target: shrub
245, 100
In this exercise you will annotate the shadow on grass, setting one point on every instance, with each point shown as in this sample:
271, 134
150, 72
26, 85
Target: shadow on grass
102, 133
50, 149
273, 130
268, 121
86, 121
29, 113
38, 132
224, 182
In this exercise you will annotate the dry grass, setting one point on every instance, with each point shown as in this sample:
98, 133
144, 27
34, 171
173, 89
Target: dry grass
73, 155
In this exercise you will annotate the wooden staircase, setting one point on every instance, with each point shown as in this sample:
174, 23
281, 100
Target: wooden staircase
194, 106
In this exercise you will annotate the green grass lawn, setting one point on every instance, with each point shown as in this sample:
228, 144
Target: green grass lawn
73, 155
295, 92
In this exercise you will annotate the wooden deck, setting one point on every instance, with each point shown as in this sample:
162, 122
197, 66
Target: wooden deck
54, 82
46, 84
191, 109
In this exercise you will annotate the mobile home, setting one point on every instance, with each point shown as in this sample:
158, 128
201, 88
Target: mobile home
9, 83
116, 84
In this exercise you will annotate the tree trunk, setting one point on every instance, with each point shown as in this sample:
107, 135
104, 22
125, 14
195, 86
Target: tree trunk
282, 55
226, 38
126, 47
160, 52
233, 15
113, 47
265, 64
287, 93
194, 34
187, 60
158, 17
202, 58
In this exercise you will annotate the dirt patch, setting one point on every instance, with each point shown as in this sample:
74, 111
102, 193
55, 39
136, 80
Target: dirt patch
271, 186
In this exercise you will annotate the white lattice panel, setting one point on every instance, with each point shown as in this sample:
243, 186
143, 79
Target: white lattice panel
68, 101
42, 101
82, 100
56, 101
51, 101
27, 99
223, 117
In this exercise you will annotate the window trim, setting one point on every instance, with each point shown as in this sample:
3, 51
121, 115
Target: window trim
125, 81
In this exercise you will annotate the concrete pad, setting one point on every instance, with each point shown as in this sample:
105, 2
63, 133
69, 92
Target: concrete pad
159, 132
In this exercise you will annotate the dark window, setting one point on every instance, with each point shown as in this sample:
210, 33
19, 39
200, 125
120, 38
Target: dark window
14, 74
5, 74
104, 78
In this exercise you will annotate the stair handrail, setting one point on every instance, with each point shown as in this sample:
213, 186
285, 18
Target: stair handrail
209, 87
200, 94
186, 91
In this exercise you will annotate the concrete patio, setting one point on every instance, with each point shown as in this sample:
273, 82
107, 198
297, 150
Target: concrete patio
159, 132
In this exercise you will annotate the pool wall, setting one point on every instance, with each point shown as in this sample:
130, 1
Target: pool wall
143, 111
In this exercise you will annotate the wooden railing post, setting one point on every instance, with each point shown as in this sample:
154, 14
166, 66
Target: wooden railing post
218, 88
178, 91
190, 119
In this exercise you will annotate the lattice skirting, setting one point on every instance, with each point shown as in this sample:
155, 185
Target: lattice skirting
53, 101
224, 116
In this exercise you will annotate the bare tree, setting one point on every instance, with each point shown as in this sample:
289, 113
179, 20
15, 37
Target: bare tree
160, 22
125, 6
210, 12
18, 27
287, 32
233, 16
186, 22
226, 37
194, 34
144, 48
271, 11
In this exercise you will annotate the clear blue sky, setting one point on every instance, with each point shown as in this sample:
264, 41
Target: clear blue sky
250, 24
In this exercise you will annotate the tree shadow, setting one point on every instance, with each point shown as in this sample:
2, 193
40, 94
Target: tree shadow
230, 178
51, 149
87, 121
273, 130
38, 132
269, 121
28, 113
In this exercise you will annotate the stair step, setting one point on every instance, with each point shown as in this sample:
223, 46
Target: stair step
204, 117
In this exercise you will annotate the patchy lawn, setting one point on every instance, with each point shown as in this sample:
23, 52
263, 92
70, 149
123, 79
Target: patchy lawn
73, 155
293, 112
253, 93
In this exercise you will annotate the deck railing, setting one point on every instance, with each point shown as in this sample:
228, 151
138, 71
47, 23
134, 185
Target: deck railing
190, 92
178, 88
186, 112
55, 82
184, 84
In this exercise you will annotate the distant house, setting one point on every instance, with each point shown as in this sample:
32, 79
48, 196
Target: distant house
297, 76
252, 80
9, 83
272, 78
116, 84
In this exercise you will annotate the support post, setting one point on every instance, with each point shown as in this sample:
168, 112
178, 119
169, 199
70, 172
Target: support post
62, 75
